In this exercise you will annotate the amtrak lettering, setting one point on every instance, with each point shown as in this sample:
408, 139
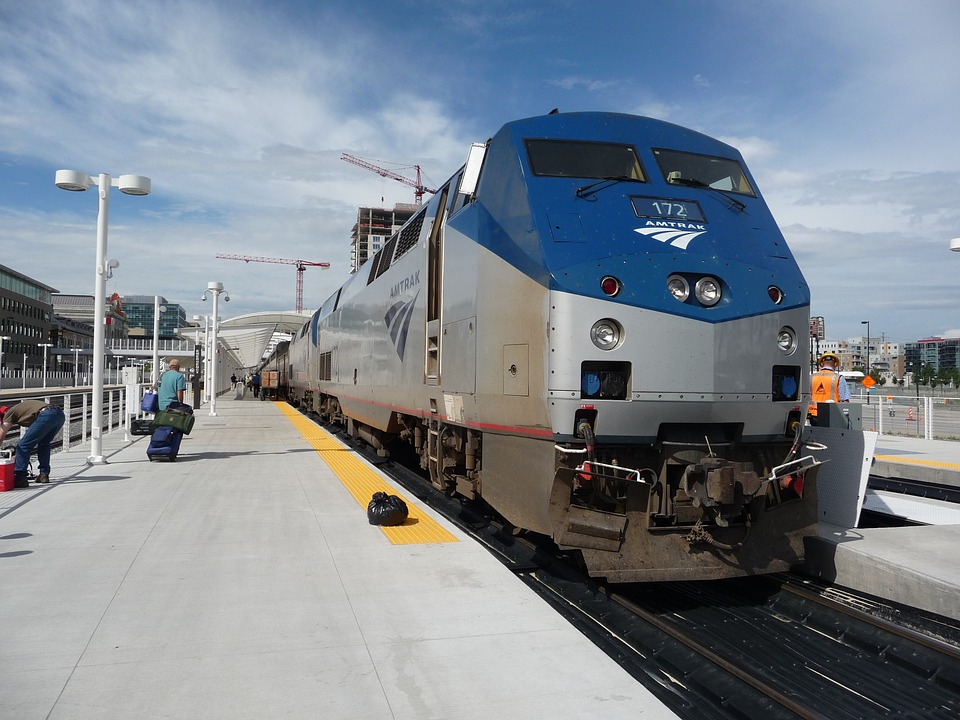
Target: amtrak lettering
405, 284
675, 233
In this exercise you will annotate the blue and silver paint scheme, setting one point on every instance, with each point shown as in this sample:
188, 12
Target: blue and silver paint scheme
514, 330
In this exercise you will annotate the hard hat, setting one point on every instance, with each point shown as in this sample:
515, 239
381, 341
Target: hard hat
829, 356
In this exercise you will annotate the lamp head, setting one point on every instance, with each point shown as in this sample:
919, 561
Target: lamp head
72, 180
204, 297
955, 244
134, 184
226, 298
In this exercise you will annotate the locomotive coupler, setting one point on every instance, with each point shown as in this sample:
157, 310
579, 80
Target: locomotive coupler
715, 481
699, 534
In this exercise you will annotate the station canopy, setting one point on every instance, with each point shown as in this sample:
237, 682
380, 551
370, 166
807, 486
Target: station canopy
245, 339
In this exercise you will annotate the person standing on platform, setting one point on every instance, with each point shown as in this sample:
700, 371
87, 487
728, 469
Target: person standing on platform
42, 423
172, 385
255, 381
233, 381
827, 385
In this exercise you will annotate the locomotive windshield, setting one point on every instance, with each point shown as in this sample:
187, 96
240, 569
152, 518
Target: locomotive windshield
573, 158
682, 168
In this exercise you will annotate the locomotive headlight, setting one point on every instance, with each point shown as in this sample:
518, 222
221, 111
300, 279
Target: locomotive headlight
707, 291
678, 286
787, 340
606, 334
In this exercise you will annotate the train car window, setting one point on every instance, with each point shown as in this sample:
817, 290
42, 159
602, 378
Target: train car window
457, 200
692, 170
575, 158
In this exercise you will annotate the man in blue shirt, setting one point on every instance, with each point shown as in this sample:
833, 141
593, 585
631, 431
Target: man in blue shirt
172, 385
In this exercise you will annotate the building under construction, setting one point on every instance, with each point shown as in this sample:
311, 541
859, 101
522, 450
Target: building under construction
373, 228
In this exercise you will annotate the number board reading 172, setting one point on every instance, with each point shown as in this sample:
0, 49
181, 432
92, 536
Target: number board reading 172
665, 208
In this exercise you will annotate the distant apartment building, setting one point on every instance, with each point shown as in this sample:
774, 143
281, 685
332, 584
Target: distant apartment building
936, 352
139, 311
885, 357
373, 228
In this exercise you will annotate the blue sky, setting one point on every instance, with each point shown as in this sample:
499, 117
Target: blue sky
239, 111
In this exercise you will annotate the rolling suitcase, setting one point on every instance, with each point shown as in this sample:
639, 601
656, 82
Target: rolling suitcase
165, 444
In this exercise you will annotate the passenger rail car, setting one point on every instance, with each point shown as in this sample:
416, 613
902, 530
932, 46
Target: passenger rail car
596, 327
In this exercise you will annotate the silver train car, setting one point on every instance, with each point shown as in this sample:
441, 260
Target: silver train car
596, 327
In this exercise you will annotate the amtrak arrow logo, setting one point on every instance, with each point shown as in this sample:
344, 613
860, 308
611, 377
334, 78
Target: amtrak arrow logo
398, 322
679, 235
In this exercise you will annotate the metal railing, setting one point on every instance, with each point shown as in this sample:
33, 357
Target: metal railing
77, 404
930, 418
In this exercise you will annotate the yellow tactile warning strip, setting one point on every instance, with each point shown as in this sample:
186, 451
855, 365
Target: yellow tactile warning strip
362, 483
918, 461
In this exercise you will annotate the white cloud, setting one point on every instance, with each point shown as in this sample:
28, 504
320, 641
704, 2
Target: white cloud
574, 82
239, 113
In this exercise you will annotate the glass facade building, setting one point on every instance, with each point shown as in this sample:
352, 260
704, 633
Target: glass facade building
26, 314
139, 312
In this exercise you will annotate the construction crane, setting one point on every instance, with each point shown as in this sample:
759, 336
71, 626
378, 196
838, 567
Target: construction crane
301, 266
418, 188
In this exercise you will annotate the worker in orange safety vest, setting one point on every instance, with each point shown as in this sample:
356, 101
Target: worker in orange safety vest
827, 384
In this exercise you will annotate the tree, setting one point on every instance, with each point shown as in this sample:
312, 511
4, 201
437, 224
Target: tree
952, 375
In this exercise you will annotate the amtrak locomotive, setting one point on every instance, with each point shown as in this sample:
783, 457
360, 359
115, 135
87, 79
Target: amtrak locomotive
596, 327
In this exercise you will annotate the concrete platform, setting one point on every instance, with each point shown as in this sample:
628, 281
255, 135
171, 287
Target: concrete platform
914, 566
243, 581
936, 461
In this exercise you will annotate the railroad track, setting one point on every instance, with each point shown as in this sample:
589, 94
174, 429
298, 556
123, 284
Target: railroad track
915, 488
772, 646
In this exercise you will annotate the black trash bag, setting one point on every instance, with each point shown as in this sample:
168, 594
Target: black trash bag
386, 510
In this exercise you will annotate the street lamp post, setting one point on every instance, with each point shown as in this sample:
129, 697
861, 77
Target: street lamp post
45, 347
215, 289
157, 309
2, 338
129, 185
867, 373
